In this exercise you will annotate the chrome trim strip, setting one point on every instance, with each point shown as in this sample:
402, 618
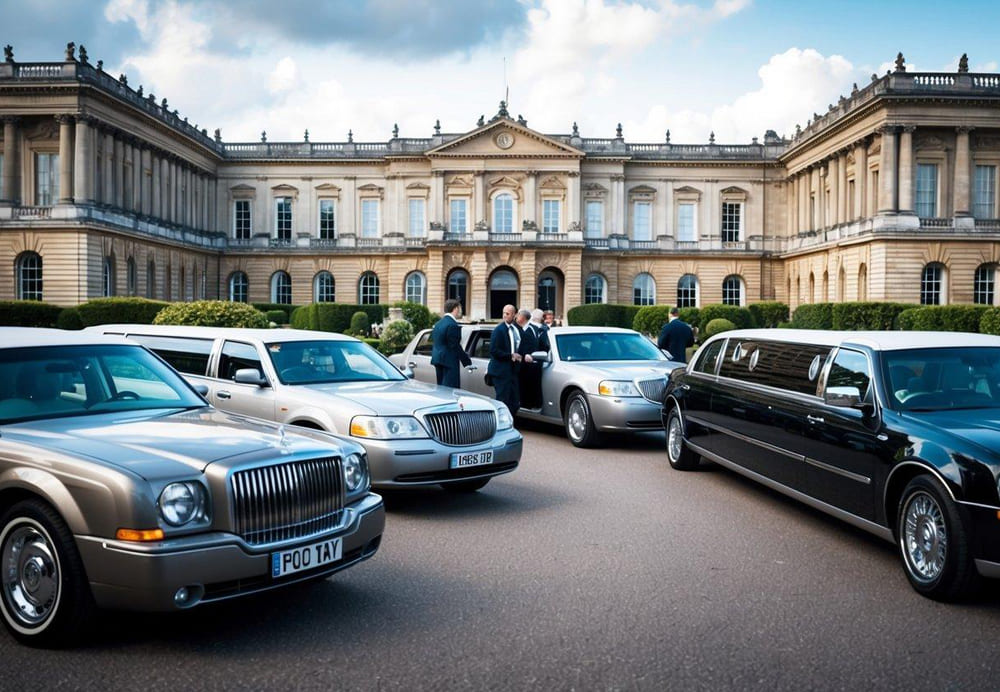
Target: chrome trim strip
852, 519
412, 452
840, 472
925, 467
990, 570
745, 438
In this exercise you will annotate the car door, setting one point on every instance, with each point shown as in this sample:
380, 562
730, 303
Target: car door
694, 391
247, 399
477, 345
419, 360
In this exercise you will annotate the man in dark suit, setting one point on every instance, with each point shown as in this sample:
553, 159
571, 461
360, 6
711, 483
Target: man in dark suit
505, 360
676, 336
447, 354
533, 338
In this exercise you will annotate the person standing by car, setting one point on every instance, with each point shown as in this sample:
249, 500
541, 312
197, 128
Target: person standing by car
541, 330
505, 360
530, 376
676, 336
447, 354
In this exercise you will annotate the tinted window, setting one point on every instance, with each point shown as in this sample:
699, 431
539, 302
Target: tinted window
237, 356
793, 367
708, 357
424, 345
607, 346
481, 345
312, 362
185, 355
849, 371
943, 378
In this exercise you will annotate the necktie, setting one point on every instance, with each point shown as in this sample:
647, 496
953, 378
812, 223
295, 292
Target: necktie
515, 338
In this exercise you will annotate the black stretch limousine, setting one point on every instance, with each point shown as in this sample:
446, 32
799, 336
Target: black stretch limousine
894, 432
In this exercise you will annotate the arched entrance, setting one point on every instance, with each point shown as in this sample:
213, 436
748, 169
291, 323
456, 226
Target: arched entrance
503, 291
549, 290
458, 288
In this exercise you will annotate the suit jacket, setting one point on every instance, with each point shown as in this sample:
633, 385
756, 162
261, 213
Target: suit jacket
501, 366
676, 336
447, 348
539, 337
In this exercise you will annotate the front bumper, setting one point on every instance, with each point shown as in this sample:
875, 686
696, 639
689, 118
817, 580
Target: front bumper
214, 566
624, 414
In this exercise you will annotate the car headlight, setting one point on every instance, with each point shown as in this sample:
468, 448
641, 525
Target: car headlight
386, 427
504, 419
355, 472
182, 503
617, 388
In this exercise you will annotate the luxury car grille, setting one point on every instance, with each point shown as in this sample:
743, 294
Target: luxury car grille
462, 427
653, 389
286, 501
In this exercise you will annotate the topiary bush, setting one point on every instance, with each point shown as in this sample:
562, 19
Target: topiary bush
277, 316
284, 308
213, 313
868, 315
360, 324
768, 313
907, 319
717, 326
813, 316
989, 323
120, 311
942, 318
650, 319
395, 336
69, 318
602, 315
28, 313
419, 316
333, 317
741, 317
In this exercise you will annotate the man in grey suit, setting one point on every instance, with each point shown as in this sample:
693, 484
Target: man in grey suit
447, 354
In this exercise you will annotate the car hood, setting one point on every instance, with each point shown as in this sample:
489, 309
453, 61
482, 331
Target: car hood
157, 443
627, 369
979, 426
402, 397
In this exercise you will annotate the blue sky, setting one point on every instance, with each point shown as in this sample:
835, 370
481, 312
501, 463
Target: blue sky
735, 67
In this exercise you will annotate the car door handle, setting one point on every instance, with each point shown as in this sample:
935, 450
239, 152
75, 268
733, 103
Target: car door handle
471, 368
411, 365
224, 395
684, 387
815, 419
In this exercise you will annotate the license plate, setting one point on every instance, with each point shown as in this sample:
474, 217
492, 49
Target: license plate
305, 557
463, 459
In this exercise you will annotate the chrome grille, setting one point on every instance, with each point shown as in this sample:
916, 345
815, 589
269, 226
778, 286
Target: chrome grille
462, 427
287, 501
652, 389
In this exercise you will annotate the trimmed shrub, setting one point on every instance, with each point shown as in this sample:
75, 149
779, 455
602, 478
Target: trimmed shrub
813, 316
69, 318
371, 342
990, 321
602, 315
213, 313
741, 317
333, 317
717, 326
419, 316
268, 307
907, 319
120, 310
277, 316
942, 318
28, 313
650, 319
870, 315
768, 313
395, 336
360, 324
691, 315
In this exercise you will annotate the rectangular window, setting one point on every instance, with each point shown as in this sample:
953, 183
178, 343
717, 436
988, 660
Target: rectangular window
595, 219
550, 215
241, 219
642, 221
732, 221
418, 218
327, 219
369, 218
984, 192
283, 218
46, 179
189, 356
927, 181
685, 223
459, 222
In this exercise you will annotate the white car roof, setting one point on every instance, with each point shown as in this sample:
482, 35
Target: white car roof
18, 337
877, 340
267, 335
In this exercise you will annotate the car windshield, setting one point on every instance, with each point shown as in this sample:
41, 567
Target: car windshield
60, 381
941, 379
606, 346
316, 362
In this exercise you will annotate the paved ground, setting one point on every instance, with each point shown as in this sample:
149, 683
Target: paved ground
587, 570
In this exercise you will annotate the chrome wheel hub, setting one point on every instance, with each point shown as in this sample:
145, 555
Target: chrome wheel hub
925, 537
674, 440
577, 420
30, 575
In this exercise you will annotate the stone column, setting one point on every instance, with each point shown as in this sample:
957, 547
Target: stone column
154, 183
860, 179
791, 203
65, 159
108, 177
805, 176
118, 167
137, 177
530, 198
435, 212
906, 169
11, 162
833, 177
962, 202
173, 193
83, 163
888, 187
816, 200
843, 215
349, 206
479, 199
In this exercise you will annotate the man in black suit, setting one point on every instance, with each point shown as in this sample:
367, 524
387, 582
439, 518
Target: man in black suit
676, 336
533, 338
505, 360
447, 353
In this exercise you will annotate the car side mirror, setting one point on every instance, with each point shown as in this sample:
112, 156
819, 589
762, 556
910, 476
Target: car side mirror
540, 356
201, 389
844, 397
250, 376
407, 373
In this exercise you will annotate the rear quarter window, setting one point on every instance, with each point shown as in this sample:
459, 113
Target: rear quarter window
424, 345
792, 367
189, 356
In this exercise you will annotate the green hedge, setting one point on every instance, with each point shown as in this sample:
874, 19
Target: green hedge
942, 318
717, 326
602, 315
419, 316
395, 337
213, 313
268, 307
359, 324
333, 317
120, 311
741, 317
277, 316
691, 315
69, 318
650, 319
813, 316
990, 321
28, 313
768, 313
872, 315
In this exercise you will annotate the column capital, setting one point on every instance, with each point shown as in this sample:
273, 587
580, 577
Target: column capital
10, 119
437, 173
573, 174
65, 119
908, 128
964, 129
887, 129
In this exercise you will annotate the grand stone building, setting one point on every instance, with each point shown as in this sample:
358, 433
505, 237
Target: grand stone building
889, 195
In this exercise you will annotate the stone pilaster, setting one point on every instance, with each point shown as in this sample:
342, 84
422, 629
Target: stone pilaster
843, 214
888, 181
962, 202
118, 168
83, 163
66, 125
528, 213
906, 169
860, 179
11, 161
573, 202
833, 178
479, 199
107, 168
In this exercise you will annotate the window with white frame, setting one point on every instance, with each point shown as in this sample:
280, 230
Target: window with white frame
932, 284
108, 277
642, 221
687, 291
503, 213
239, 287
283, 218
46, 179
281, 288
644, 290
732, 222
686, 222
984, 284
732, 290
324, 288
327, 219
550, 215
927, 190
595, 289
458, 218
368, 289
369, 218
594, 219
984, 192
29, 276
418, 217
242, 228
416, 288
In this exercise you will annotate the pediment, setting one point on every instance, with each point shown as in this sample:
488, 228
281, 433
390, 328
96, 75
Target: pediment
369, 187
460, 181
552, 183
505, 138
642, 190
505, 181
284, 188
418, 186
594, 187
688, 189
327, 187
243, 187
734, 190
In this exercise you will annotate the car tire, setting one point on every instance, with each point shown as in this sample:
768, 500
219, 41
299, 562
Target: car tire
680, 457
934, 542
466, 486
579, 422
46, 598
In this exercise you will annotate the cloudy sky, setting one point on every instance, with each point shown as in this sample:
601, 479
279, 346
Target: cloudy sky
735, 67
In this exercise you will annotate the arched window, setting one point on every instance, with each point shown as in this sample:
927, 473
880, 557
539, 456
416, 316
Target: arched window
982, 288
151, 279
29, 276
281, 288
324, 288
239, 287
595, 290
368, 289
458, 288
732, 290
932, 284
503, 213
687, 291
108, 277
825, 295
644, 290
130, 276
416, 288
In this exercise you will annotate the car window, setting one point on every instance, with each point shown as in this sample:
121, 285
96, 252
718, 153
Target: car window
943, 378
708, 357
424, 345
329, 360
792, 367
850, 371
606, 346
238, 356
480, 347
189, 356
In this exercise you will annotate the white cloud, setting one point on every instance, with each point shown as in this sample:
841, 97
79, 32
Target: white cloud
283, 76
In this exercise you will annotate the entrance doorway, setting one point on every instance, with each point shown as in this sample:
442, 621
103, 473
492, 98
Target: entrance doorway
503, 291
550, 285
